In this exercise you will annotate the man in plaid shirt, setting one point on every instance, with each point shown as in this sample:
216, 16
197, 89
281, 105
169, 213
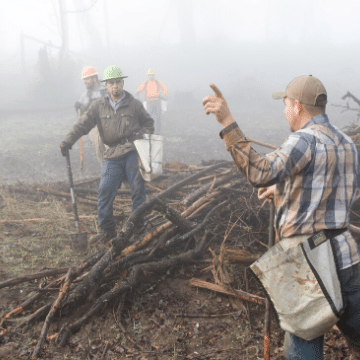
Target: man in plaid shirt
313, 180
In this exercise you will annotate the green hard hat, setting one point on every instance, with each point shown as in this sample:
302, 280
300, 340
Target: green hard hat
112, 72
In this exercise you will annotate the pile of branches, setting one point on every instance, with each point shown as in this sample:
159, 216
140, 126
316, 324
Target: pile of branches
213, 208
352, 130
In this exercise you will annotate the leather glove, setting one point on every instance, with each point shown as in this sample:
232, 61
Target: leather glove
65, 147
78, 106
137, 136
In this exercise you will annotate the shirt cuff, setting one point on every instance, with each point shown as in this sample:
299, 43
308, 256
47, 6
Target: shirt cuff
228, 128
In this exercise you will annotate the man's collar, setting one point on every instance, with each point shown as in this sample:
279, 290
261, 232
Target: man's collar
318, 119
122, 98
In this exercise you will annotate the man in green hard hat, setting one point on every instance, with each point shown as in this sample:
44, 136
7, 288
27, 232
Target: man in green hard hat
120, 119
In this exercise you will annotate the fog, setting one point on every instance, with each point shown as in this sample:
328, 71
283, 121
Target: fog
249, 49
244, 47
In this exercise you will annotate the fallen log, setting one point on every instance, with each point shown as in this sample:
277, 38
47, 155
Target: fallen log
240, 256
180, 238
138, 272
192, 178
27, 321
85, 264
188, 213
39, 275
202, 190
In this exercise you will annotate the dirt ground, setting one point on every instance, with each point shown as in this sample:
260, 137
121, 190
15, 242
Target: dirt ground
165, 319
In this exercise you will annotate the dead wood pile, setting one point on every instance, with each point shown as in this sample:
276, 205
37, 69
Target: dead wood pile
207, 213
352, 130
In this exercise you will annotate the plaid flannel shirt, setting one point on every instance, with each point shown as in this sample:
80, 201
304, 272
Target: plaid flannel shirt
315, 172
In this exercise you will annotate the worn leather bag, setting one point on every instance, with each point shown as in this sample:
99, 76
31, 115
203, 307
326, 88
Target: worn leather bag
300, 276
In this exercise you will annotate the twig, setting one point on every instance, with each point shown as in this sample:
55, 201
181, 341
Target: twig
203, 315
241, 256
87, 181
39, 275
107, 347
263, 144
247, 304
91, 217
70, 275
154, 187
354, 229
78, 199
223, 289
202, 224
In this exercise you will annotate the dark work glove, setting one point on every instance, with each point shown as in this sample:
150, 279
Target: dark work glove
64, 147
78, 106
137, 136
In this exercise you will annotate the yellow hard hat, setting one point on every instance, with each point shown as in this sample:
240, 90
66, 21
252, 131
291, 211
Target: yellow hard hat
150, 72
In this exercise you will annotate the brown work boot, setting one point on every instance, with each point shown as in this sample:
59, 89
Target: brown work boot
102, 237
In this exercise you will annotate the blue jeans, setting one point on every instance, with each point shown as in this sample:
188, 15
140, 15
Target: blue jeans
113, 173
296, 348
154, 110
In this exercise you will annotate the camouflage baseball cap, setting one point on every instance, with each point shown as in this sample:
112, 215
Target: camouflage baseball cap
306, 89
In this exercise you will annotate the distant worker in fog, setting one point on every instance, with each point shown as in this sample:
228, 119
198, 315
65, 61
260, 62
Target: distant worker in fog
94, 90
153, 97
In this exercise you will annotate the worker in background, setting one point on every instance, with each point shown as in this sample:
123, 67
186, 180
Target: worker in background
153, 97
120, 119
313, 180
94, 90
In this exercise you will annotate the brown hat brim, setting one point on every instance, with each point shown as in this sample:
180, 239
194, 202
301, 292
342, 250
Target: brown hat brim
279, 95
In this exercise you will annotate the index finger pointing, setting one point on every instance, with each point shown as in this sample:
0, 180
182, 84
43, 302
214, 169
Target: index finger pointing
216, 91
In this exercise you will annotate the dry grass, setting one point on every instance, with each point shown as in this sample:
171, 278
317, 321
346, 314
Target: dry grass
28, 246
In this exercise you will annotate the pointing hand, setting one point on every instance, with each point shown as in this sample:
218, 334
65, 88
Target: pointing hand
217, 105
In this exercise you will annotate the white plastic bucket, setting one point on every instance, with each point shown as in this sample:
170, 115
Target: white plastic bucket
163, 106
150, 151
